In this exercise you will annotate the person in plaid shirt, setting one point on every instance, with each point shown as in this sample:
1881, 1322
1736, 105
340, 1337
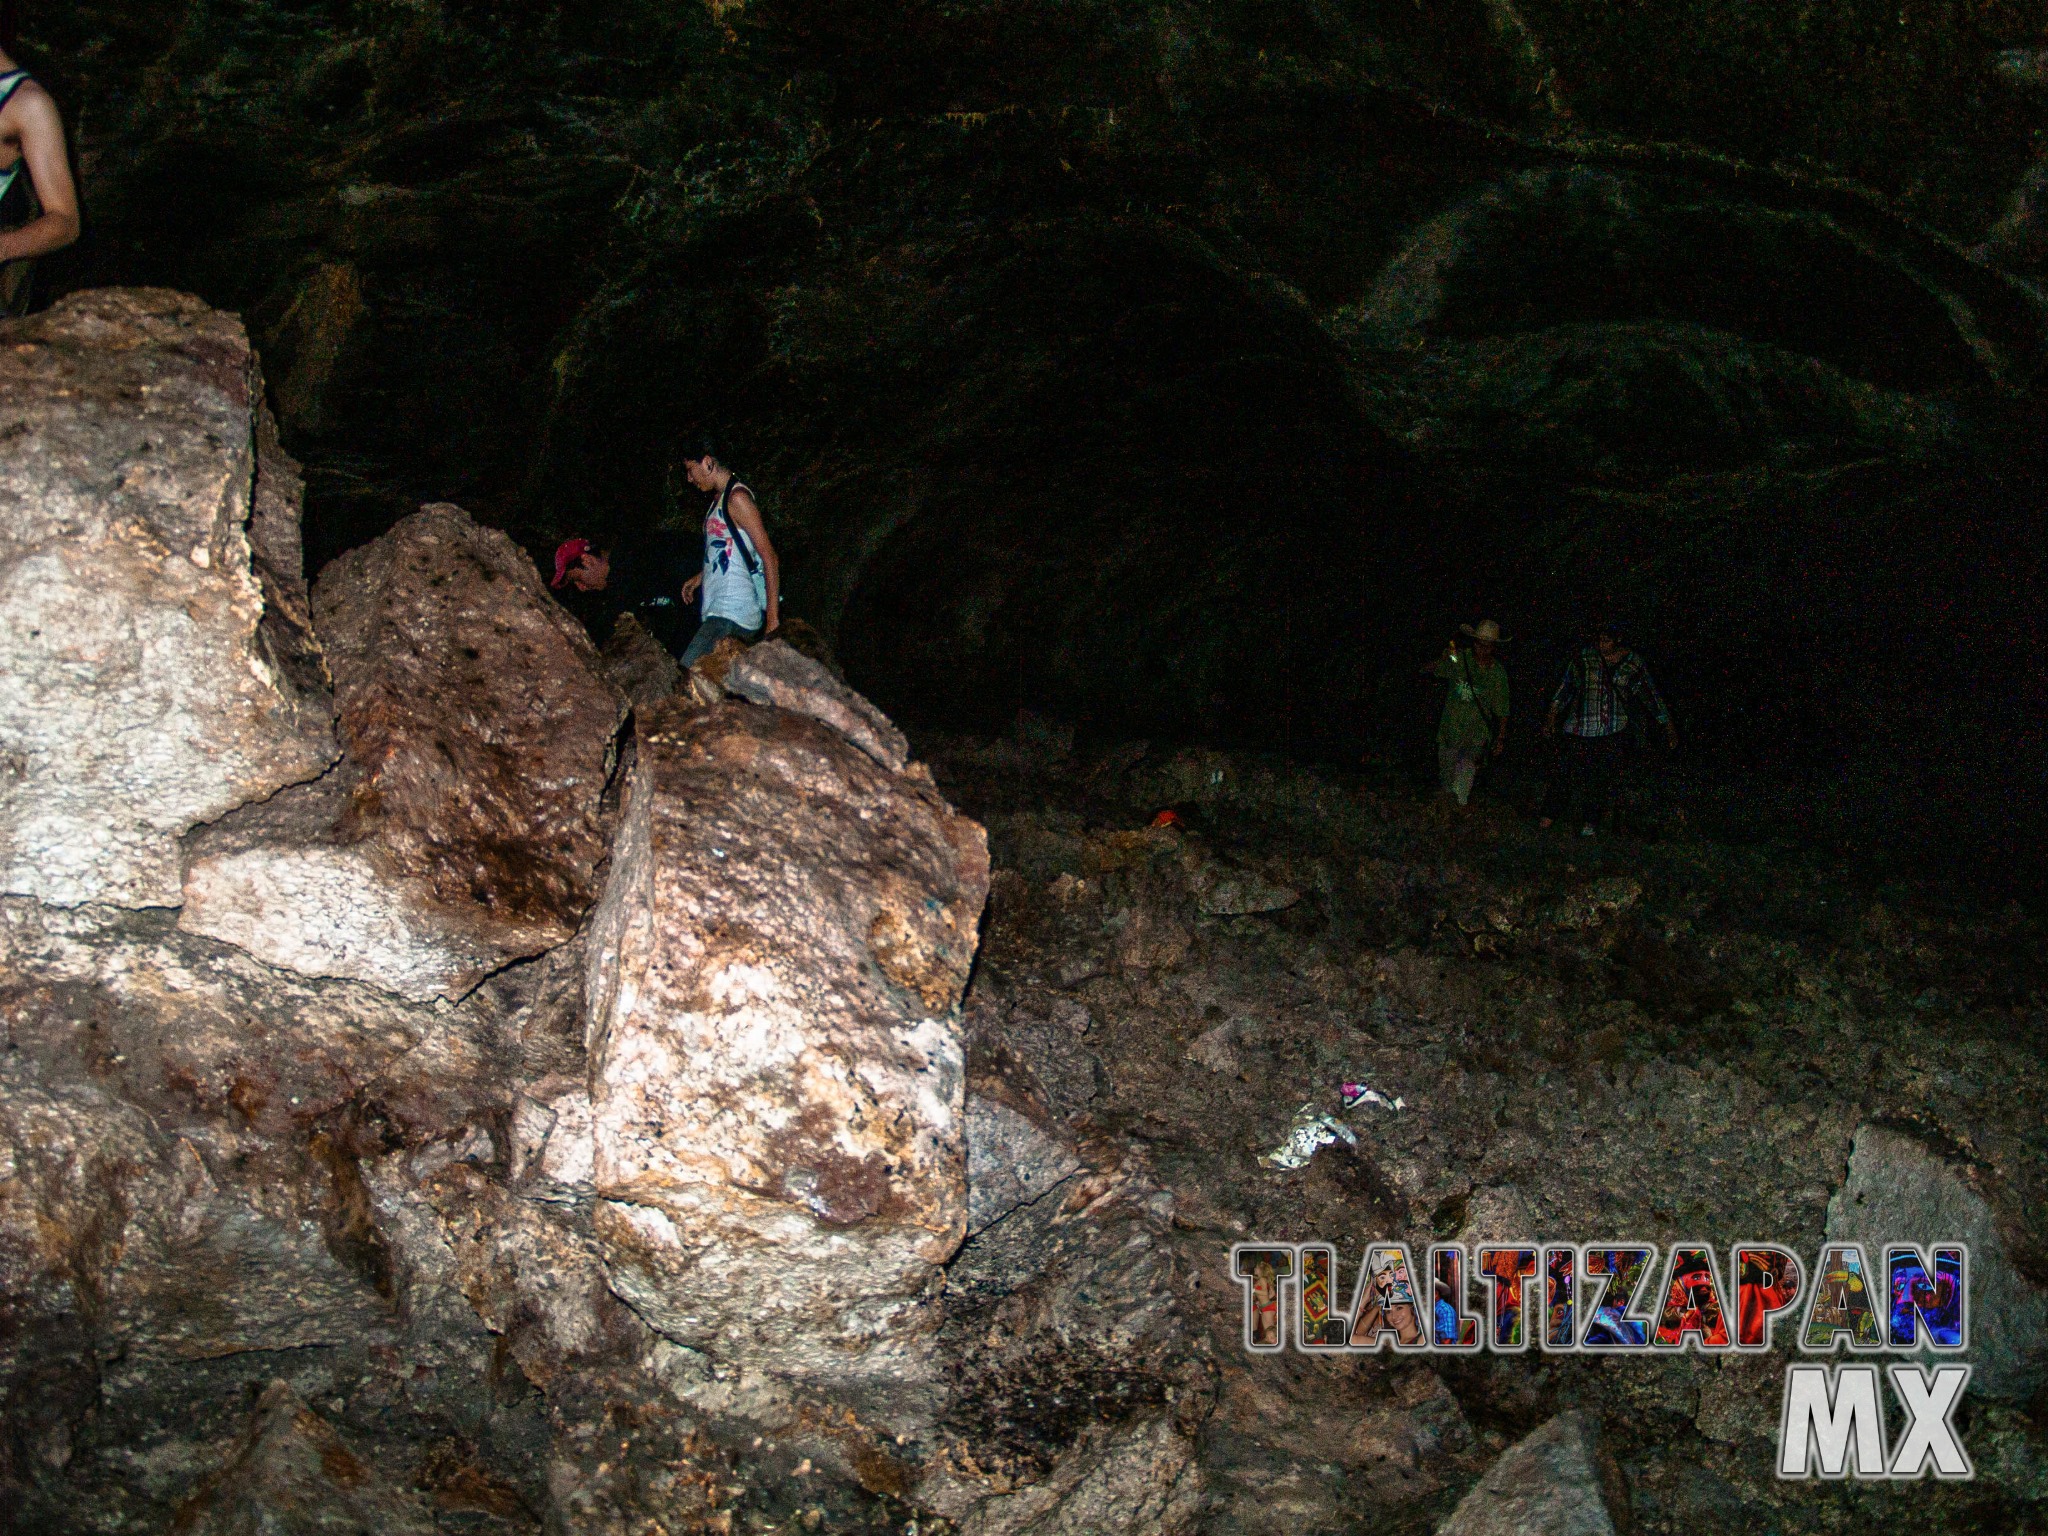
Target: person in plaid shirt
1593, 704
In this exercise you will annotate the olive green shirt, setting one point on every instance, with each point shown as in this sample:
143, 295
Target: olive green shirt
1464, 726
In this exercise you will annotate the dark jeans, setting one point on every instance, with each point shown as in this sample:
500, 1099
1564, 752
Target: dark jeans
709, 633
1585, 788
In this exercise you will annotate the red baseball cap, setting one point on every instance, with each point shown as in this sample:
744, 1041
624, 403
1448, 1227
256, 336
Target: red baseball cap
567, 553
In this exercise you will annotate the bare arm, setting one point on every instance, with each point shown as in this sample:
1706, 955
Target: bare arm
744, 512
31, 121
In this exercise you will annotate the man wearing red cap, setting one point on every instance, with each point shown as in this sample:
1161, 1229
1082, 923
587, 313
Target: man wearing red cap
588, 587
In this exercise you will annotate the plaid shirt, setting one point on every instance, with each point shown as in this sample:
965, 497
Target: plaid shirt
1593, 698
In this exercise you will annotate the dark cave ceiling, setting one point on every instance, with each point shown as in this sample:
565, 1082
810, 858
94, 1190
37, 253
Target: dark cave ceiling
1172, 367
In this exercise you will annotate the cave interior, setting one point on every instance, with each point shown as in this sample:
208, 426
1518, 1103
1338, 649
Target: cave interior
1159, 384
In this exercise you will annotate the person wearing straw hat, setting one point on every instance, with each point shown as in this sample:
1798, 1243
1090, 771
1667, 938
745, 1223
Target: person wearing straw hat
1475, 718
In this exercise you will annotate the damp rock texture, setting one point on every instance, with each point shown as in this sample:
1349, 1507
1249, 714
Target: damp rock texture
780, 675
776, 1071
1900, 1190
638, 665
466, 827
293, 1475
137, 696
1548, 1485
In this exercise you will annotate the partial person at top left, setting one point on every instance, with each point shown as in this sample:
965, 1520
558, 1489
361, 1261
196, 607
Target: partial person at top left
31, 141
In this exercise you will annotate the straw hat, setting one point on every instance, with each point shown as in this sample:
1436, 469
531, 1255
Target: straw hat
1487, 630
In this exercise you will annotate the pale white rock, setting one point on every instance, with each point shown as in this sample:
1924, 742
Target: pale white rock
362, 930
136, 698
551, 1135
1548, 1484
1899, 1190
274, 880
776, 1066
571, 1154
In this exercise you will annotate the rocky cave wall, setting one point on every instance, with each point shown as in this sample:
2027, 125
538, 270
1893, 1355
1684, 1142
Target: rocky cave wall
1183, 366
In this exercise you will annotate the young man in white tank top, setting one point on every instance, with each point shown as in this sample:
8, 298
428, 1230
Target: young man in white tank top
32, 142
740, 582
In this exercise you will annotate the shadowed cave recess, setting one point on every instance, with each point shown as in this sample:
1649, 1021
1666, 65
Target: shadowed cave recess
1179, 369
461, 1081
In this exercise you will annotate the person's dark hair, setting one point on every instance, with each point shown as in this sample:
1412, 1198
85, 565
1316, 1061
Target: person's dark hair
10, 36
701, 445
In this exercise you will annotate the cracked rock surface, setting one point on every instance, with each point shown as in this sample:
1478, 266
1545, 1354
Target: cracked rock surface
776, 1070
136, 696
466, 825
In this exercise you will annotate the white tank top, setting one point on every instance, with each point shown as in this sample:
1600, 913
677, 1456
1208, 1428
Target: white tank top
730, 591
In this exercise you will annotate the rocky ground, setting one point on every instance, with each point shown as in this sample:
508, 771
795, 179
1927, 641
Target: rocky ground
1668, 1038
459, 1079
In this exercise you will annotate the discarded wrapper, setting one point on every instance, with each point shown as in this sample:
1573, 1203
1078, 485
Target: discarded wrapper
1309, 1133
1361, 1093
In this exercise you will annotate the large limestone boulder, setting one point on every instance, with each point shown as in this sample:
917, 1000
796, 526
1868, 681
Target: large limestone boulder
776, 1067
1547, 1485
1899, 1190
467, 826
137, 696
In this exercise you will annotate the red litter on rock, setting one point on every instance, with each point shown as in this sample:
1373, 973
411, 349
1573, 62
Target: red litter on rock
1168, 819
